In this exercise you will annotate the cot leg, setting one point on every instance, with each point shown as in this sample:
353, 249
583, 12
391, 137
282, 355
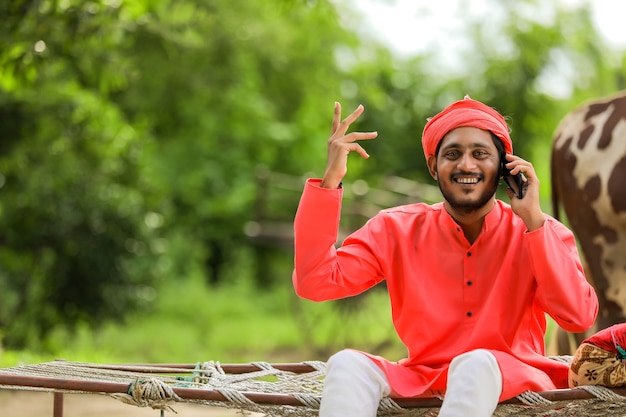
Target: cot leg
58, 404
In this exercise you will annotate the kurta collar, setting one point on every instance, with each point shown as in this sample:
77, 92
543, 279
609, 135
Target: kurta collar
492, 219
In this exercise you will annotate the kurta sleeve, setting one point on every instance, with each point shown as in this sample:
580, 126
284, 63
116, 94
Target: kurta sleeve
562, 290
321, 271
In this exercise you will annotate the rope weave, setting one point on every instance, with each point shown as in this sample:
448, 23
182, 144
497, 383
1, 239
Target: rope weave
602, 393
532, 398
237, 398
152, 392
154, 386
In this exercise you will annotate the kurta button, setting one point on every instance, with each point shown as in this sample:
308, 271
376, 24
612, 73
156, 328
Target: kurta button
469, 314
469, 253
469, 282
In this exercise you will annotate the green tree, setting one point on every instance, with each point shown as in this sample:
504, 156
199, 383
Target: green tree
74, 245
132, 134
241, 90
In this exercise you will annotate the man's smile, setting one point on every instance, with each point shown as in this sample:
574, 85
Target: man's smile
466, 179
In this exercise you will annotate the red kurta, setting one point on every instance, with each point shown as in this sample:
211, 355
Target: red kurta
447, 296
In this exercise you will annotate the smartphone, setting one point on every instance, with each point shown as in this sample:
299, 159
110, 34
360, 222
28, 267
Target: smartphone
516, 182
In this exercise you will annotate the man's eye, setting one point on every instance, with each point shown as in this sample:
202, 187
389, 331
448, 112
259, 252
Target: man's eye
452, 154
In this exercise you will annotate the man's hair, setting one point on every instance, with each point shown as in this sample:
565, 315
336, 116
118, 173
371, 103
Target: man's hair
501, 153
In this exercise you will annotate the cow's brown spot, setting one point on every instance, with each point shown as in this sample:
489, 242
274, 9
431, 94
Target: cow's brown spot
617, 114
596, 108
616, 186
591, 190
584, 136
590, 193
565, 168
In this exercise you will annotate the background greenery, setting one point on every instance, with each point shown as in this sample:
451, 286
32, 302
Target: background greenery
138, 137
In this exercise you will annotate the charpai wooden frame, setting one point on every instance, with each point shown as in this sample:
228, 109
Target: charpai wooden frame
192, 383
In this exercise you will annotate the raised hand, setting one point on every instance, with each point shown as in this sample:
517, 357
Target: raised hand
341, 144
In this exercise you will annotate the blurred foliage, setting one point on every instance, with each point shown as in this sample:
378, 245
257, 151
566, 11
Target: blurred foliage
519, 65
74, 245
134, 132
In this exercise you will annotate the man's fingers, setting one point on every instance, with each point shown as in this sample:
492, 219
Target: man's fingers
526, 169
362, 152
341, 144
516, 164
353, 116
336, 118
340, 141
355, 147
344, 148
340, 128
353, 137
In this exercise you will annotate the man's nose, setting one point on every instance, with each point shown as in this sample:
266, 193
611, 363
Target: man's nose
467, 162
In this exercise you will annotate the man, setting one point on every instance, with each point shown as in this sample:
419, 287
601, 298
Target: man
470, 279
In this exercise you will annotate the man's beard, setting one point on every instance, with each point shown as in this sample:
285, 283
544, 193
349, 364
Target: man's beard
467, 207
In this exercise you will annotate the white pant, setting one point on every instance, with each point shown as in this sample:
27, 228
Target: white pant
354, 386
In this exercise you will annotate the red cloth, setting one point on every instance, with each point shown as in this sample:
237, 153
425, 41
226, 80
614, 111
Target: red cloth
610, 338
507, 280
466, 112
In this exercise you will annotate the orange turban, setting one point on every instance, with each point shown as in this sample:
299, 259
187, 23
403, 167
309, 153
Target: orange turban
466, 112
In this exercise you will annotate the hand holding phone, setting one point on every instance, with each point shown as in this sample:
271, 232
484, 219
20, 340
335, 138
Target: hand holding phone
516, 182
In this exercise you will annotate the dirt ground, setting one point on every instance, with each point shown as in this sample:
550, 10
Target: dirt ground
40, 404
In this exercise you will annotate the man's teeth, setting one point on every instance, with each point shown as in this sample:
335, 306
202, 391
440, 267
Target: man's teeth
467, 180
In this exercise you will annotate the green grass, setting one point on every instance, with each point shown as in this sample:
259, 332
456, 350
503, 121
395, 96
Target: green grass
234, 323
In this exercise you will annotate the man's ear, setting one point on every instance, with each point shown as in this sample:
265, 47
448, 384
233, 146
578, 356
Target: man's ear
432, 166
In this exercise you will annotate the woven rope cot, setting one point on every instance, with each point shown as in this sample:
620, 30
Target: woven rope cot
270, 389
